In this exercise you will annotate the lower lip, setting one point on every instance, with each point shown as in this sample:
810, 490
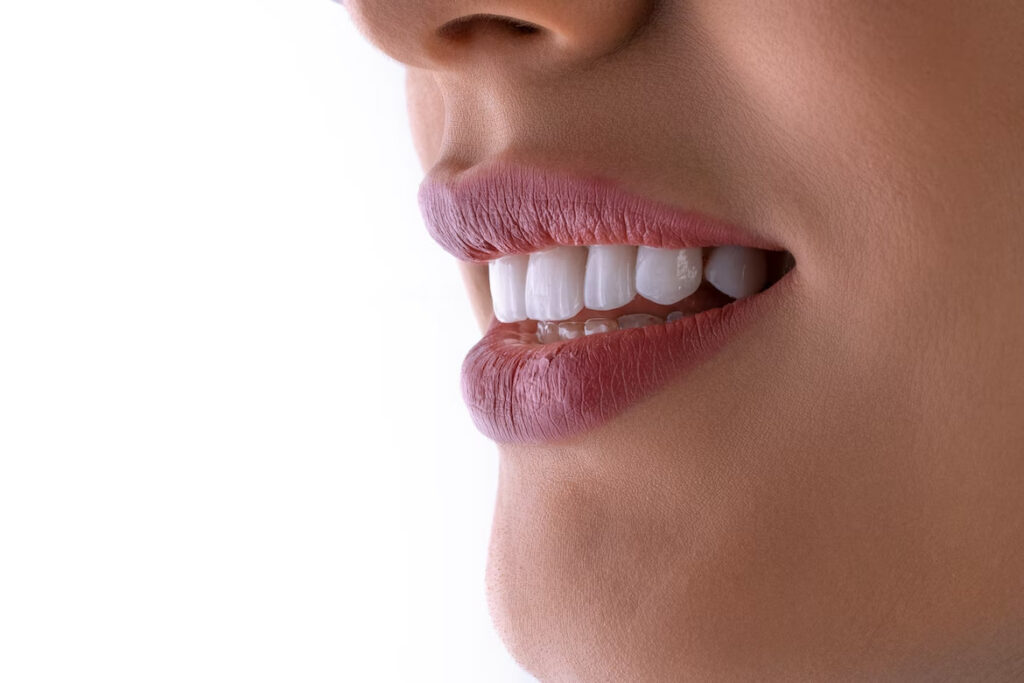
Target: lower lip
524, 392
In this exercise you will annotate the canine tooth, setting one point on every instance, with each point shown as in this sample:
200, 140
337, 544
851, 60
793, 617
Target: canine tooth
736, 271
570, 330
666, 276
554, 283
638, 320
674, 316
547, 332
599, 325
508, 287
610, 280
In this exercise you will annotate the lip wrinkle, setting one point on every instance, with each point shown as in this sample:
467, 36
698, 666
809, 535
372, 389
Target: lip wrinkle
509, 209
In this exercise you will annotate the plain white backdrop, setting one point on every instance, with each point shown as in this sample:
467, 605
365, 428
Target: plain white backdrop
232, 445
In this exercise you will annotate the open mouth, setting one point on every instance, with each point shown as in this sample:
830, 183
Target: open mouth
600, 297
568, 292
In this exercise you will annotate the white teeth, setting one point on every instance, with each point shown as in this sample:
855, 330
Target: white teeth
554, 283
610, 280
736, 271
632, 320
599, 325
570, 330
553, 286
666, 276
508, 287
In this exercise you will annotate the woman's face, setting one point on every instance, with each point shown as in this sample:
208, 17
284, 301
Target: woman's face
836, 490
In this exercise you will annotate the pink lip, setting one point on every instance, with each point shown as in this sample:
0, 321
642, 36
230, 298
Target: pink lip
526, 392
509, 209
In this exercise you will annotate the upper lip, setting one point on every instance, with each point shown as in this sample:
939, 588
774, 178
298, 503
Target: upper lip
507, 208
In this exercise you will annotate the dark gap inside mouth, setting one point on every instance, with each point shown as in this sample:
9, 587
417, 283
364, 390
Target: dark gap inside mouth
464, 29
779, 263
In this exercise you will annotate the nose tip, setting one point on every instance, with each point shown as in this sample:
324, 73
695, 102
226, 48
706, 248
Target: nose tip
439, 34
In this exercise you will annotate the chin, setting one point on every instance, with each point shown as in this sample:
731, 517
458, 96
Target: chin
588, 581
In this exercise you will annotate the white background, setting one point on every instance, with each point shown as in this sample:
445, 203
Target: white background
232, 446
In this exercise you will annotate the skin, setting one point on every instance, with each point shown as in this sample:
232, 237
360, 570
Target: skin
838, 494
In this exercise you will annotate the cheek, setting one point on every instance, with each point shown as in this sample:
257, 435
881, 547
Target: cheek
426, 115
902, 184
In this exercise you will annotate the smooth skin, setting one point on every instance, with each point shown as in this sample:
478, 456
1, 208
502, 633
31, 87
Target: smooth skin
839, 494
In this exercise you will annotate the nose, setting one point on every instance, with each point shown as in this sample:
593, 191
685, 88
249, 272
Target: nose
444, 34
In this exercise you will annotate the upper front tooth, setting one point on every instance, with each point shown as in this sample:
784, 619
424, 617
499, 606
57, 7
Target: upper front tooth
554, 283
508, 287
611, 276
736, 271
666, 276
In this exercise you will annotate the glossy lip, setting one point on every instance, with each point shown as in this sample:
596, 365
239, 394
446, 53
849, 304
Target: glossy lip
519, 391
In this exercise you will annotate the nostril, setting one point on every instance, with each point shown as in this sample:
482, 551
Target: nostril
544, 36
465, 28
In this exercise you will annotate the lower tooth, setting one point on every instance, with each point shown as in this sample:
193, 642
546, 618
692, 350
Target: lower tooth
570, 330
599, 325
547, 332
638, 320
674, 316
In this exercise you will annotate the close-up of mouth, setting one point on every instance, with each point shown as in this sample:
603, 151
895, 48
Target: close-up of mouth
599, 297
515, 341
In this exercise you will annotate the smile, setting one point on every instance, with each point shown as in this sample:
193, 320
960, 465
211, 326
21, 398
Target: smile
600, 297
571, 292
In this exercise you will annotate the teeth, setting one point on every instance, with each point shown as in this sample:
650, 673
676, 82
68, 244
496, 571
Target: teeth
599, 325
632, 320
508, 287
553, 286
554, 283
736, 271
570, 330
547, 332
610, 280
666, 276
